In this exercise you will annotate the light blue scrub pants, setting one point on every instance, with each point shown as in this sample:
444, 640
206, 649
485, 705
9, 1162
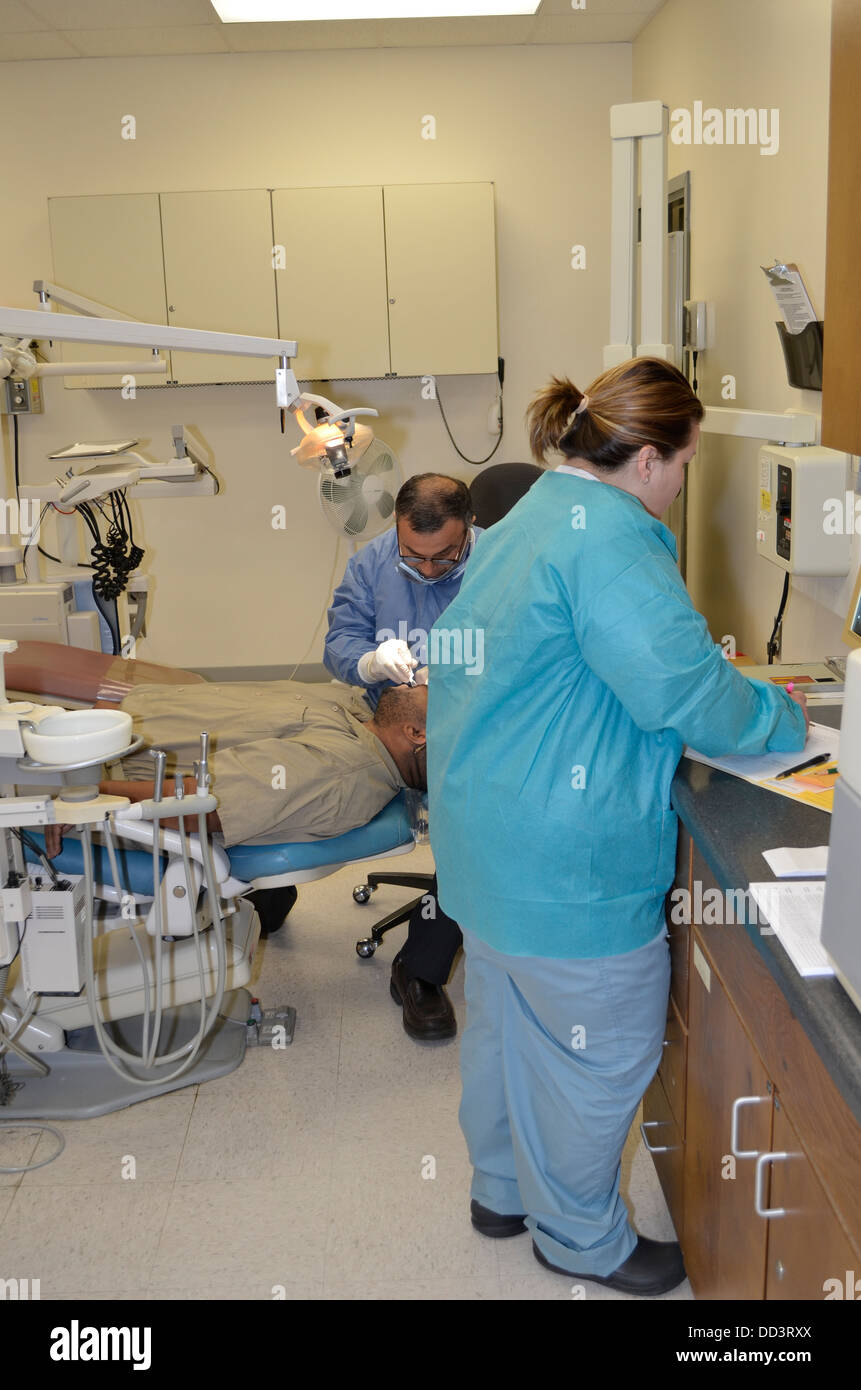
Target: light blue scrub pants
546, 1107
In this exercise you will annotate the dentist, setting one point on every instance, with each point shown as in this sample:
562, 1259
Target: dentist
392, 592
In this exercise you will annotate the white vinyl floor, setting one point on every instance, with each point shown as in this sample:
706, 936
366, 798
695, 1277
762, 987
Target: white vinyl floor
300, 1175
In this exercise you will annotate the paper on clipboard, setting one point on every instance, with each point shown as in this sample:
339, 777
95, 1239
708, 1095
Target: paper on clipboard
793, 301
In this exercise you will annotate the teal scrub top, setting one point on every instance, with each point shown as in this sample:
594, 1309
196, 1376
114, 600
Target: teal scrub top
565, 679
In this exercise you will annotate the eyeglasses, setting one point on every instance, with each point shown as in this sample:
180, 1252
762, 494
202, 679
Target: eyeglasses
442, 562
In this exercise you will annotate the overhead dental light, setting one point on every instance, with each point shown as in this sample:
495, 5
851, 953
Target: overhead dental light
335, 442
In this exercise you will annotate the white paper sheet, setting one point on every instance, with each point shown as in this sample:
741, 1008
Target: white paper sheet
794, 910
806, 862
762, 767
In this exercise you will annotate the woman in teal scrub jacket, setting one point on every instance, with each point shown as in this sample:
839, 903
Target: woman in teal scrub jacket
549, 774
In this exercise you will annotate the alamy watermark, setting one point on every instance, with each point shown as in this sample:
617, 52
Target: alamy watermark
718, 907
442, 646
733, 126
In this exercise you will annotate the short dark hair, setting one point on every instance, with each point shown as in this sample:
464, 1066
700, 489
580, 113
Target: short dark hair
428, 500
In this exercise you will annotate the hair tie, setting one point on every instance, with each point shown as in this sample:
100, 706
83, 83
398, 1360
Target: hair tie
582, 406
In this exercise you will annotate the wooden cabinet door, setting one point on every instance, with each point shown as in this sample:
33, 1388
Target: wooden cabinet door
109, 249
332, 287
664, 1141
841, 399
809, 1255
441, 259
678, 924
218, 271
673, 1066
724, 1240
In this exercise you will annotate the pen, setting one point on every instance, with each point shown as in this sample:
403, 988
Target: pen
811, 762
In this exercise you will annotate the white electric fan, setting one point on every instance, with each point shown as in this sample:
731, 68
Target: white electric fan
362, 504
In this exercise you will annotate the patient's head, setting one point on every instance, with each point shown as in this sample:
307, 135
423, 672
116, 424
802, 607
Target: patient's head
399, 723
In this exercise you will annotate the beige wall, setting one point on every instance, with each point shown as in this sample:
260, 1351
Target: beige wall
230, 591
748, 208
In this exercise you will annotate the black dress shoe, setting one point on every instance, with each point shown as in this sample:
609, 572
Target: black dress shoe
653, 1267
493, 1223
428, 1014
272, 906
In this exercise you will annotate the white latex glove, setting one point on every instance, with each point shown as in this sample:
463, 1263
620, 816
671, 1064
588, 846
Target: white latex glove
392, 661
421, 676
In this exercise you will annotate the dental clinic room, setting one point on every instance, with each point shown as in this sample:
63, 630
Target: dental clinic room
430, 660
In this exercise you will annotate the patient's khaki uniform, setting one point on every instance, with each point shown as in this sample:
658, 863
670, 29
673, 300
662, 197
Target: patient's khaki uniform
287, 763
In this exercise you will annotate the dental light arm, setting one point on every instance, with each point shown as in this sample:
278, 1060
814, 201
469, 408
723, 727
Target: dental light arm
334, 442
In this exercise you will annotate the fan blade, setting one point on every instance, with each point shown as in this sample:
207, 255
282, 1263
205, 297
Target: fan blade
357, 520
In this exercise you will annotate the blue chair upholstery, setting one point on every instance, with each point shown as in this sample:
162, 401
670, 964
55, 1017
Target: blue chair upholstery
135, 865
389, 830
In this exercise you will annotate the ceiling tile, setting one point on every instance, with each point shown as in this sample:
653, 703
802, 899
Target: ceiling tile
126, 43
600, 7
258, 38
587, 28
124, 14
448, 33
34, 46
15, 19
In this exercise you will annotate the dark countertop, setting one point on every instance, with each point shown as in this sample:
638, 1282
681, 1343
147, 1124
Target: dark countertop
732, 822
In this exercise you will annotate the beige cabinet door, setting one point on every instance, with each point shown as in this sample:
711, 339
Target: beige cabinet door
332, 285
109, 249
218, 274
441, 258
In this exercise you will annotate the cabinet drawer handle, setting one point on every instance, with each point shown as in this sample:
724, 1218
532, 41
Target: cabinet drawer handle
733, 1133
760, 1178
655, 1148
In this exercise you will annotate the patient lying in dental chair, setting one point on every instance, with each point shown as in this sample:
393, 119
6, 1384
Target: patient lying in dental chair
289, 762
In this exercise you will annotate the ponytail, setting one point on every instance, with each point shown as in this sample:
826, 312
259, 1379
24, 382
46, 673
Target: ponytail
644, 401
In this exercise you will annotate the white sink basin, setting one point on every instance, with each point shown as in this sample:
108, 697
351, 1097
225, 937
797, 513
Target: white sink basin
78, 735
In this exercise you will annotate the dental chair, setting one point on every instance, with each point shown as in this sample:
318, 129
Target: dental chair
79, 1085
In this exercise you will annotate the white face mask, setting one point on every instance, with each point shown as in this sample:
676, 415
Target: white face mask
456, 570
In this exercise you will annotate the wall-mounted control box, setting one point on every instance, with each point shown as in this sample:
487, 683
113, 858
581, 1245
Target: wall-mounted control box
800, 509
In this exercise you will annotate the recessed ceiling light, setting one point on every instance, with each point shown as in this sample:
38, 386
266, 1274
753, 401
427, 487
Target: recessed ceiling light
283, 11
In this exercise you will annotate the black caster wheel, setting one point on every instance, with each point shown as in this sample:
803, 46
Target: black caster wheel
365, 949
362, 894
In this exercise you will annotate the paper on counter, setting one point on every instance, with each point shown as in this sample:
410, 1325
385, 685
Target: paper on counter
794, 910
762, 768
797, 863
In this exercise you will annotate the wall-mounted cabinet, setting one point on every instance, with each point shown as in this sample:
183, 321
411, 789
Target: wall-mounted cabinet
332, 288
109, 249
440, 253
370, 281
218, 274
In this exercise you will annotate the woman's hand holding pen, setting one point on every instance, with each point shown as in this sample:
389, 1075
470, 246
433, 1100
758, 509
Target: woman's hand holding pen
801, 700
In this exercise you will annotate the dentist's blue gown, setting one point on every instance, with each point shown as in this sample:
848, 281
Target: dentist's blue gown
375, 601
549, 776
